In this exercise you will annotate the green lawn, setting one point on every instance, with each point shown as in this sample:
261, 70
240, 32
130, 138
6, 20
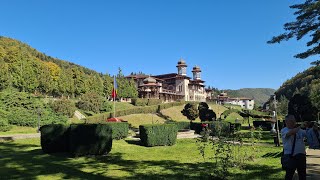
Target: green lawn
24, 159
137, 119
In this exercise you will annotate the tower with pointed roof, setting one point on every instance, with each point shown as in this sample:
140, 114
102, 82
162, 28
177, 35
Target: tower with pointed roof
182, 67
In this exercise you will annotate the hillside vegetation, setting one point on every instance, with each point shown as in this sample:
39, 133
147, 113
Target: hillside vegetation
307, 84
26, 69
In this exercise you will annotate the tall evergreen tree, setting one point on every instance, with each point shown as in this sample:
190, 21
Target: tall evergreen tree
307, 23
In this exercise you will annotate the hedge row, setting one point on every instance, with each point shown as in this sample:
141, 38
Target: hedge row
217, 127
137, 110
119, 129
181, 125
158, 134
145, 102
266, 125
77, 139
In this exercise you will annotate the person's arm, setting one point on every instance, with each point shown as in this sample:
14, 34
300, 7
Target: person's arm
309, 138
292, 132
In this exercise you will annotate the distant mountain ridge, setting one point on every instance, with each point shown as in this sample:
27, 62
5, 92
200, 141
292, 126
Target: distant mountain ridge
260, 95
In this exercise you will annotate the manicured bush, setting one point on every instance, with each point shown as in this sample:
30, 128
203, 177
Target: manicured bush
265, 125
90, 139
152, 102
55, 138
198, 126
220, 128
158, 134
139, 101
119, 129
181, 125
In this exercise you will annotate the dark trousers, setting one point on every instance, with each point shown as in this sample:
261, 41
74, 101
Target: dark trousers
301, 166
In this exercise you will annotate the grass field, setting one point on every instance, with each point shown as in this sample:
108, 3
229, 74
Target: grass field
137, 119
24, 159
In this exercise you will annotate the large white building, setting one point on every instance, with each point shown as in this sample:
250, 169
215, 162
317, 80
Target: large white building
246, 103
172, 86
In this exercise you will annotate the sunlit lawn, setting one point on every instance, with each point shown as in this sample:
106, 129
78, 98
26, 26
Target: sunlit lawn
24, 159
137, 119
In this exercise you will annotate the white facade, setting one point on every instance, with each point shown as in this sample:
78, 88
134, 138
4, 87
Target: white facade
245, 103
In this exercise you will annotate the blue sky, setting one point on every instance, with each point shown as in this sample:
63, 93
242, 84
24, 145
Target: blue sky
227, 39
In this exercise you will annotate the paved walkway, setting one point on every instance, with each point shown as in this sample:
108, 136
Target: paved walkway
313, 164
12, 137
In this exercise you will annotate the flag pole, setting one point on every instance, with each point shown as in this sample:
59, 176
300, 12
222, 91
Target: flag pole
114, 96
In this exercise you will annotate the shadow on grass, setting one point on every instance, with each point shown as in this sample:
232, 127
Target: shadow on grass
272, 155
27, 161
134, 142
256, 171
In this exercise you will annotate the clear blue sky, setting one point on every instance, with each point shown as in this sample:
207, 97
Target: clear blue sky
227, 39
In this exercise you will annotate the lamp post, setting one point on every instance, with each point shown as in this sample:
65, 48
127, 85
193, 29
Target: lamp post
39, 114
275, 117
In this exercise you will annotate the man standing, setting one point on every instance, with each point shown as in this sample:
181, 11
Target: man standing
293, 146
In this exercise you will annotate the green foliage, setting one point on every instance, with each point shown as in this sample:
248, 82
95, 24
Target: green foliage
93, 102
206, 114
306, 24
119, 129
282, 106
4, 125
138, 110
55, 138
181, 125
315, 93
190, 111
64, 107
28, 70
152, 102
301, 107
229, 111
158, 134
90, 139
145, 102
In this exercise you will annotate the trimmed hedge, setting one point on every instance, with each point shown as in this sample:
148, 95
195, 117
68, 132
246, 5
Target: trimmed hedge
181, 125
119, 129
55, 138
152, 102
216, 127
145, 102
100, 118
158, 134
139, 101
90, 139
266, 125
77, 139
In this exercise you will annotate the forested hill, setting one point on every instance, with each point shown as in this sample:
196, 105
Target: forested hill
29, 70
305, 83
260, 95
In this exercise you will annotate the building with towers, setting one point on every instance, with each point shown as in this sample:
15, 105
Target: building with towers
172, 86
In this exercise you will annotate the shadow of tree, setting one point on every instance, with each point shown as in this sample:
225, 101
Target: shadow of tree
256, 171
27, 161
